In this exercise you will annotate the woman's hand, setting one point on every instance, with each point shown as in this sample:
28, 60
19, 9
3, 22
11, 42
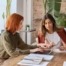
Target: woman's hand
63, 47
49, 43
42, 45
36, 50
45, 45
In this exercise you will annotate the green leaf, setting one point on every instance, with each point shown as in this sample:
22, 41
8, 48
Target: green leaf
53, 7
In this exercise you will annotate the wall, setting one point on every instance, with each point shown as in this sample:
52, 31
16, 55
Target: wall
38, 13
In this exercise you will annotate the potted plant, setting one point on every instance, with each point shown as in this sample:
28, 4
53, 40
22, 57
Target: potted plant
53, 7
8, 7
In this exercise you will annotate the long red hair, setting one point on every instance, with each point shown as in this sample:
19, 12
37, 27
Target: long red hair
13, 22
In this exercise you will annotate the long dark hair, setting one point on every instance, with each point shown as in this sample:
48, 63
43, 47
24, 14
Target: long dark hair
48, 16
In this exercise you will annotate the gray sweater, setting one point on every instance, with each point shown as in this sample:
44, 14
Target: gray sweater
12, 45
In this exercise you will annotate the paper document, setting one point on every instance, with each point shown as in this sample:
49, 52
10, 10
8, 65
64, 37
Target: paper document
30, 60
64, 64
42, 64
35, 59
43, 56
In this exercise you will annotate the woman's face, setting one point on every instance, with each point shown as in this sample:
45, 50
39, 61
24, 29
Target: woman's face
48, 25
20, 25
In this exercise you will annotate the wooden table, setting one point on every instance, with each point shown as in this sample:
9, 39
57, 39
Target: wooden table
56, 61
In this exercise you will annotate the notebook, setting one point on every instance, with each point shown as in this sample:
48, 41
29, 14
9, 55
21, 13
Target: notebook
35, 59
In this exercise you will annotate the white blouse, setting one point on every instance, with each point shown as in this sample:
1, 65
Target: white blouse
54, 37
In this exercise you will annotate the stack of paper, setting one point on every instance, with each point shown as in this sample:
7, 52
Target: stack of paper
30, 60
35, 59
28, 64
43, 56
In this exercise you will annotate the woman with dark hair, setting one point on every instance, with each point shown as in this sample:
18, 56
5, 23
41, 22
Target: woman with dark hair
11, 44
50, 34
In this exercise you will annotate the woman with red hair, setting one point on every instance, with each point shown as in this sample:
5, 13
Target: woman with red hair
11, 44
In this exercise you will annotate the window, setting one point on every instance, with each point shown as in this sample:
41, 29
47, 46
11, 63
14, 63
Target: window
3, 4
